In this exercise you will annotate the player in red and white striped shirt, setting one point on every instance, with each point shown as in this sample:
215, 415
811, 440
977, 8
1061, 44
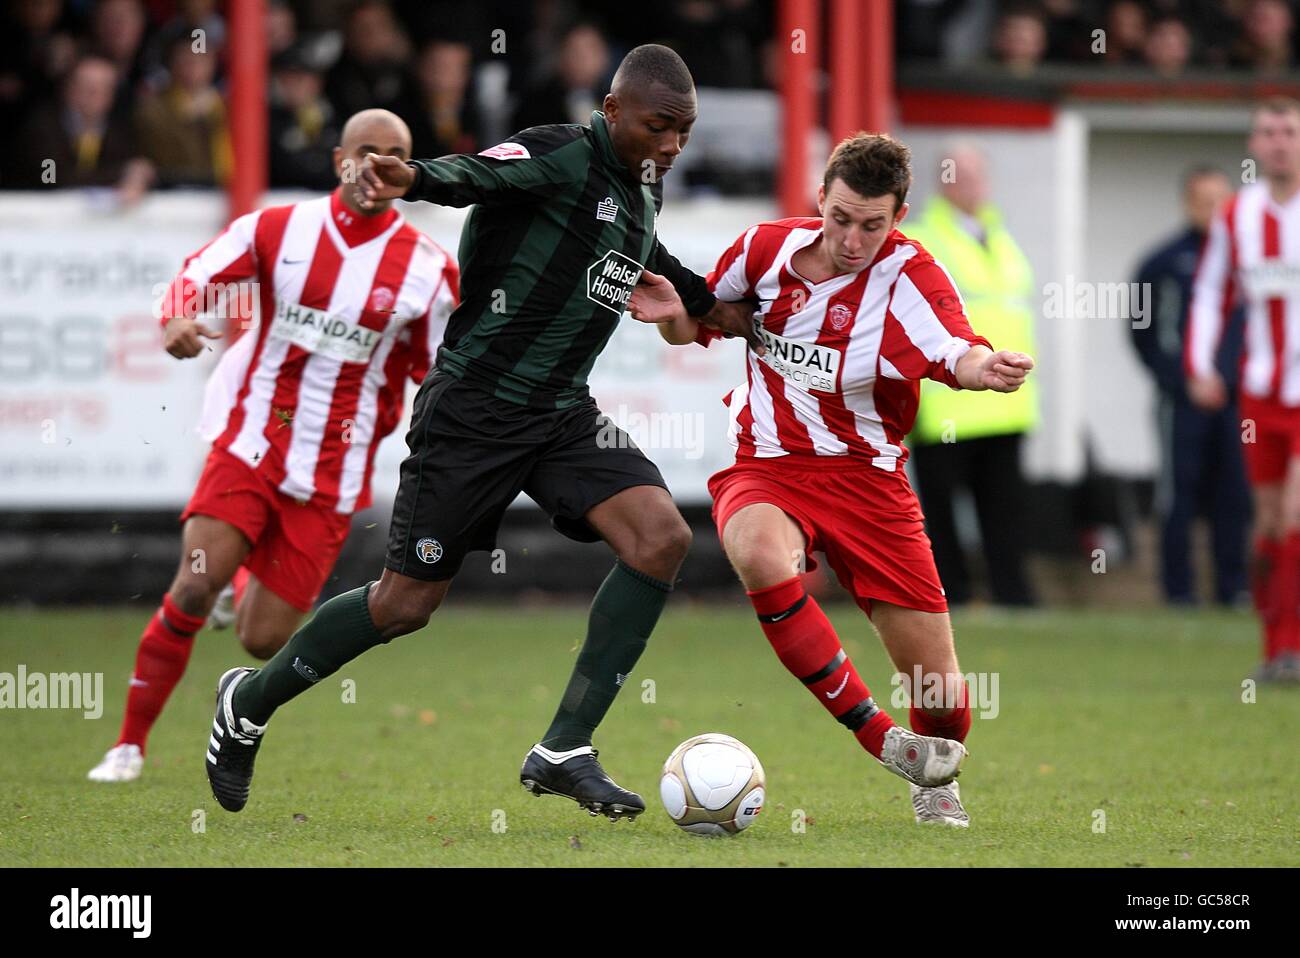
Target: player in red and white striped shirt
353, 305
853, 315
1252, 253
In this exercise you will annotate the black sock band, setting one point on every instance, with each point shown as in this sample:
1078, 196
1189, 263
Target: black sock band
827, 671
786, 613
859, 715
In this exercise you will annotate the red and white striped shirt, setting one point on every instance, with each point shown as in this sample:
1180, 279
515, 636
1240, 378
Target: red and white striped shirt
1253, 252
351, 307
844, 356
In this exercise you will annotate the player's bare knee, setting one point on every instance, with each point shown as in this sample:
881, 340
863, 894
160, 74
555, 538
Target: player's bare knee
260, 643
761, 564
194, 595
661, 547
675, 541
760, 557
395, 615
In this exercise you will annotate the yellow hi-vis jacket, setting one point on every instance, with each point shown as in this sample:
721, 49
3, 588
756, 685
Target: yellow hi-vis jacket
997, 286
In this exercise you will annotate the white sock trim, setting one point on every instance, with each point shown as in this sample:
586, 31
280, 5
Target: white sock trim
556, 758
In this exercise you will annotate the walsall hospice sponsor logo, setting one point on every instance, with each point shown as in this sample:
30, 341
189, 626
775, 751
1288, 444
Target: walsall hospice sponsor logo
807, 365
611, 279
318, 332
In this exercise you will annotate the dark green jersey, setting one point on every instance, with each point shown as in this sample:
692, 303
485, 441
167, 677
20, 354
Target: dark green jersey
557, 238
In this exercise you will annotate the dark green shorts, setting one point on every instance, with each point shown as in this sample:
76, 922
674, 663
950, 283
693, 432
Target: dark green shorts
473, 453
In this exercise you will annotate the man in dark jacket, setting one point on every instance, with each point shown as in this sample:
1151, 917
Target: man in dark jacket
1201, 469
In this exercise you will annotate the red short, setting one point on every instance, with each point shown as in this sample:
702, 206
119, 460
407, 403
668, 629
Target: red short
865, 520
295, 545
1276, 439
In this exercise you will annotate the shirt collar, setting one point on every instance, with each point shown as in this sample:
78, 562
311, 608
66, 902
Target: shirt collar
354, 227
604, 146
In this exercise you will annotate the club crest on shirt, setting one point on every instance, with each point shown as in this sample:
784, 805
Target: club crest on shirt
839, 315
382, 299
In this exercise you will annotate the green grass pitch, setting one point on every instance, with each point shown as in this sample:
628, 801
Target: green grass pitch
1135, 714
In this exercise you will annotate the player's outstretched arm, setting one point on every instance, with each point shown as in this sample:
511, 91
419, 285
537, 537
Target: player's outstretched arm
655, 300
227, 259
383, 178
536, 165
1002, 371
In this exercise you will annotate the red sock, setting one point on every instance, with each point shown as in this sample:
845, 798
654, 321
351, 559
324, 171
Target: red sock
159, 664
955, 725
1264, 573
240, 582
806, 643
1286, 596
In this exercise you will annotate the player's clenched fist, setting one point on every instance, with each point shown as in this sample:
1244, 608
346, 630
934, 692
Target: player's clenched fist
382, 178
183, 338
1005, 371
1002, 371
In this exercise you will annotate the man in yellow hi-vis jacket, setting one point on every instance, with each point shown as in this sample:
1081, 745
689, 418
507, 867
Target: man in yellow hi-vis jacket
963, 439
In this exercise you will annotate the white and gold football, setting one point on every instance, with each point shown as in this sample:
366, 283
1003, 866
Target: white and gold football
712, 784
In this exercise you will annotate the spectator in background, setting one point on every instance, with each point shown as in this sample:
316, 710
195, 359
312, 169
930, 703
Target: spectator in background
1069, 29
441, 112
182, 128
281, 27
1266, 42
82, 142
1168, 46
198, 23
719, 39
919, 27
1020, 41
35, 54
1126, 33
1215, 28
576, 86
1202, 470
973, 440
117, 32
371, 71
303, 125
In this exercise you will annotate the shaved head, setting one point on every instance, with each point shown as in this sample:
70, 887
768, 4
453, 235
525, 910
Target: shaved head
649, 64
376, 127
370, 131
650, 109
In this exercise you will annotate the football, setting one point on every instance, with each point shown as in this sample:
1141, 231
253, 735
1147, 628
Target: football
712, 784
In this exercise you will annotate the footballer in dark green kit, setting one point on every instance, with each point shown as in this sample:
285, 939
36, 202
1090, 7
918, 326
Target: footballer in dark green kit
562, 227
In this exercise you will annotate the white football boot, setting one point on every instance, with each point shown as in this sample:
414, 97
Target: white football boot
922, 759
121, 763
941, 805
222, 615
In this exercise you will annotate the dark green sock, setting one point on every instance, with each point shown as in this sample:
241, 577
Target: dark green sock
623, 615
340, 631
